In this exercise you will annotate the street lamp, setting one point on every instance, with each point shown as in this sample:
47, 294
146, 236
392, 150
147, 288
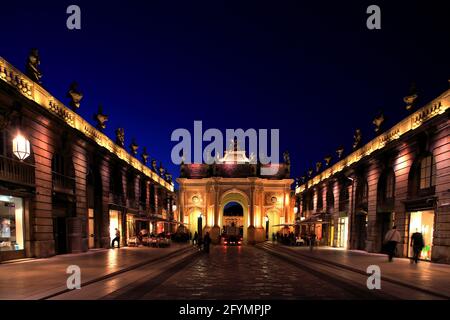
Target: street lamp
21, 147
295, 210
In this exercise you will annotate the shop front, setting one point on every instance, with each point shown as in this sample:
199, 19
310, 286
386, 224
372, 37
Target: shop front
12, 228
342, 238
114, 223
423, 222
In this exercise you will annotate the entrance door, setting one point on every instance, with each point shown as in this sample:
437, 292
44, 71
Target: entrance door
361, 231
342, 232
423, 222
91, 229
60, 234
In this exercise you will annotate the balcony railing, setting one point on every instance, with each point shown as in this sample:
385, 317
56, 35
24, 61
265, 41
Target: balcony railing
62, 183
15, 171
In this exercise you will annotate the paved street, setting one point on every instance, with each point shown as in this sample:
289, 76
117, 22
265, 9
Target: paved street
243, 273
431, 276
246, 272
38, 278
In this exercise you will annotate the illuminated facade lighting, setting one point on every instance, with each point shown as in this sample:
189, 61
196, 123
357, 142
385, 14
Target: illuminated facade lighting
21, 147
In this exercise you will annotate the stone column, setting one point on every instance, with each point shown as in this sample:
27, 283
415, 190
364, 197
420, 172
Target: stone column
215, 230
260, 231
251, 234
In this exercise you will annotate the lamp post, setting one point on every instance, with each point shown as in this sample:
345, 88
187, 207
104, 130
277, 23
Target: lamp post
199, 228
21, 147
266, 218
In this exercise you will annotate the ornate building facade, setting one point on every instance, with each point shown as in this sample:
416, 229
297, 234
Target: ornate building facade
64, 185
205, 190
399, 178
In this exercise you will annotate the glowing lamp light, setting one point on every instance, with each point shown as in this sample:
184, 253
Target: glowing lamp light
21, 147
174, 208
266, 218
295, 210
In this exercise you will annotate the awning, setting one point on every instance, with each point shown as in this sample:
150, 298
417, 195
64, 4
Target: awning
318, 218
284, 225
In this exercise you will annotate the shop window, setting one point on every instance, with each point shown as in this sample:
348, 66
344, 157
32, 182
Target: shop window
423, 222
11, 224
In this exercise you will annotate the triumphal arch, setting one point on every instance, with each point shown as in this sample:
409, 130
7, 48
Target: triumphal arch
207, 190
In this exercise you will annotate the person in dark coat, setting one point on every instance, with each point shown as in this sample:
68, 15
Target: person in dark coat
417, 243
206, 242
195, 238
312, 241
116, 239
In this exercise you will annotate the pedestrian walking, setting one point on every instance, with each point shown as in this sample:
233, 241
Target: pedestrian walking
390, 241
417, 243
116, 239
206, 242
195, 238
312, 241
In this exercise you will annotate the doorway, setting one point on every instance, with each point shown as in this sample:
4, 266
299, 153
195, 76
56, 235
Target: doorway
385, 224
60, 234
91, 228
361, 231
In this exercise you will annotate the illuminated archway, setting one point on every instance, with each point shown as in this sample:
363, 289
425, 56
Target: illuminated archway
193, 219
240, 198
273, 216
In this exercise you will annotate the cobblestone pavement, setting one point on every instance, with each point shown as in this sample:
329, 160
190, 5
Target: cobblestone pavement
244, 273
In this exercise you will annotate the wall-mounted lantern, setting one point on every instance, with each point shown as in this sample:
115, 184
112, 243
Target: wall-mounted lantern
21, 147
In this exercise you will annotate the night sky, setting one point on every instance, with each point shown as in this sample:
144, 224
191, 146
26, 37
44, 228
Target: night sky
313, 70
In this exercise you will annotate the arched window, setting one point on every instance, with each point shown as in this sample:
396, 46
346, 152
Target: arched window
143, 192
320, 199
427, 172
422, 176
311, 200
115, 179
63, 173
362, 193
386, 191
344, 198
330, 197
131, 188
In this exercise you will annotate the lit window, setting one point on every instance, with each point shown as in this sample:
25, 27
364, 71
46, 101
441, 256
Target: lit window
427, 172
11, 224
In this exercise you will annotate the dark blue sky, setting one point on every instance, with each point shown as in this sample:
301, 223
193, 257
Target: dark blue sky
312, 70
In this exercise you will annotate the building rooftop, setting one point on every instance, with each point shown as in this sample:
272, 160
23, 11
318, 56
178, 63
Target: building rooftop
42, 97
